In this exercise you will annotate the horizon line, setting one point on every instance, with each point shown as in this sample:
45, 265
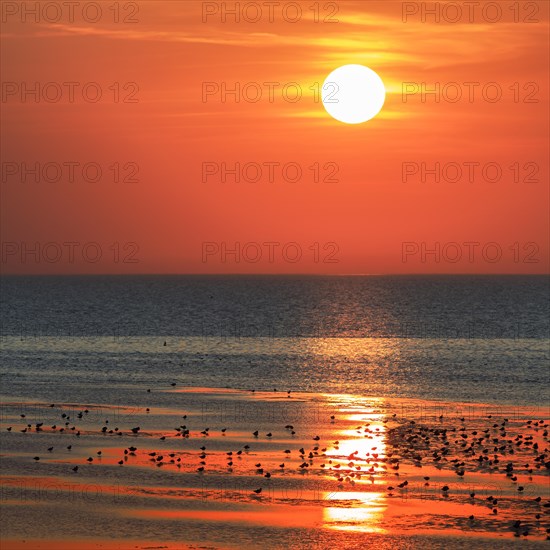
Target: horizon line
284, 274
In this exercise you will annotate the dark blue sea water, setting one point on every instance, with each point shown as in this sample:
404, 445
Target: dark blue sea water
101, 338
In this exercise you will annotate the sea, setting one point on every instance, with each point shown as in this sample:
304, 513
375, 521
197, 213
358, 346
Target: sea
105, 339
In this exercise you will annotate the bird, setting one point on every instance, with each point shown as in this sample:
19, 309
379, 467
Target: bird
37, 458
136, 430
258, 491
75, 469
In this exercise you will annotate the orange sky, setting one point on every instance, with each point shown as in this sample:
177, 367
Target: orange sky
369, 212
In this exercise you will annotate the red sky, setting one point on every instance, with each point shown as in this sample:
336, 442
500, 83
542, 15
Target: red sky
362, 219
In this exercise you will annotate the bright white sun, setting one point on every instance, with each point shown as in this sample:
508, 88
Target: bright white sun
353, 94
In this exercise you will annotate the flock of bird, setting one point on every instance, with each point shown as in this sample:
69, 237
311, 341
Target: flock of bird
493, 450
496, 449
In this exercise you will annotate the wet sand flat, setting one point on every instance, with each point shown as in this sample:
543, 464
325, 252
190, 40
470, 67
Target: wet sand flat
239, 468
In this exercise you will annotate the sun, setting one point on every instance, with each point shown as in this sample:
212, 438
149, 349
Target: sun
353, 94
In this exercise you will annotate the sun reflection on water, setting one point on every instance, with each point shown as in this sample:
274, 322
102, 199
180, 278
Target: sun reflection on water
356, 458
358, 452
364, 512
